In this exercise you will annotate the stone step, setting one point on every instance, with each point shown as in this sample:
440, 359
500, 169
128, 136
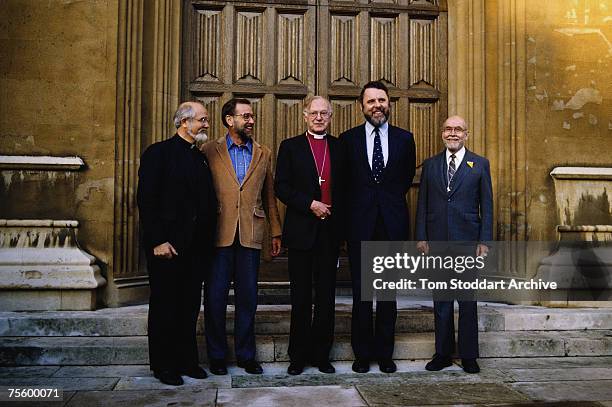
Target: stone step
275, 319
270, 320
273, 348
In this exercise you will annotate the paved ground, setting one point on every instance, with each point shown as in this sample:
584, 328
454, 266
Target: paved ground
565, 382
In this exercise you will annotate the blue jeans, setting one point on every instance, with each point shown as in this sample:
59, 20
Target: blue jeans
238, 264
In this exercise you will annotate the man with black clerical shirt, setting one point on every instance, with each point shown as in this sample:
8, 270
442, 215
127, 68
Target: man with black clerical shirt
177, 205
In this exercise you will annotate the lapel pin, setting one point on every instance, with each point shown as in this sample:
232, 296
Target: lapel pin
471, 164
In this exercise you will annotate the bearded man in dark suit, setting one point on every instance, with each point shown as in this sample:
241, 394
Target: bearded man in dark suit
380, 166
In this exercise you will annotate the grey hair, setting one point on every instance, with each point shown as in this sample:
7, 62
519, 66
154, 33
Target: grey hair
184, 111
311, 99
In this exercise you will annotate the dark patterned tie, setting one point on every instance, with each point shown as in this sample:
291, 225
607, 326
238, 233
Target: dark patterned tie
378, 161
451, 169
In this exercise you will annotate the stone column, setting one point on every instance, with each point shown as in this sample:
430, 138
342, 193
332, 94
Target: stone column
487, 86
148, 78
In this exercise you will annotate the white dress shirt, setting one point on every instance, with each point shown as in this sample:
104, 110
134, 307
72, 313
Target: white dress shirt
458, 157
384, 141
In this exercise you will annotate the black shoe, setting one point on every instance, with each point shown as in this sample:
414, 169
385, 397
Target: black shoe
387, 366
250, 366
325, 367
361, 366
217, 367
438, 363
195, 372
470, 366
168, 377
295, 368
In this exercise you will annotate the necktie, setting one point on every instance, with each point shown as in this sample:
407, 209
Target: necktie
378, 161
451, 169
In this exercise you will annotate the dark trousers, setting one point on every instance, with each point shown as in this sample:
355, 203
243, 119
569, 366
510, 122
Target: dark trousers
445, 328
311, 338
174, 306
370, 341
241, 265
444, 311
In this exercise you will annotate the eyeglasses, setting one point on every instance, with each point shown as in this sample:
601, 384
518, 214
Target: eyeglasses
202, 120
246, 116
457, 130
324, 114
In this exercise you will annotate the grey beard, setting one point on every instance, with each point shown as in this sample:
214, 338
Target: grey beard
200, 138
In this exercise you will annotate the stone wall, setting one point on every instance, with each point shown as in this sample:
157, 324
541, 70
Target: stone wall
534, 80
569, 99
58, 70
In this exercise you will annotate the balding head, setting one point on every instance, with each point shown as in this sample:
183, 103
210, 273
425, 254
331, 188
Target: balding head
456, 121
186, 110
191, 121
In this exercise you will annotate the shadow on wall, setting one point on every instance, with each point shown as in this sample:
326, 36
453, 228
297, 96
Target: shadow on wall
591, 210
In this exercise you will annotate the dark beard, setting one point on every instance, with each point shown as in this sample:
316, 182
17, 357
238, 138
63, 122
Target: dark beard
375, 122
243, 136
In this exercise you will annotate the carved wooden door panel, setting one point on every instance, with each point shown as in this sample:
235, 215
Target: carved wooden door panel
276, 53
401, 42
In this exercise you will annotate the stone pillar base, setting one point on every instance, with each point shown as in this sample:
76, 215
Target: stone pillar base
582, 267
42, 267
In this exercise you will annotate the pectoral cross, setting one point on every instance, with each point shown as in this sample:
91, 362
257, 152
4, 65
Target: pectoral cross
321, 180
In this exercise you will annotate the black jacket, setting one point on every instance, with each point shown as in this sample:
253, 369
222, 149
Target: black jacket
176, 198
296, 185
366, 198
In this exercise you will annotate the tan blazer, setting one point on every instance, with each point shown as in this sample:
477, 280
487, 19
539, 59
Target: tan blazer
243, 207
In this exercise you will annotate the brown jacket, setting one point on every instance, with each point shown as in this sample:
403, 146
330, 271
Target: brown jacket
243, 207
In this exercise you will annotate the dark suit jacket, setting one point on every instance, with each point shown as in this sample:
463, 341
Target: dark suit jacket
366, 198
296, 185
176, 198
466, 213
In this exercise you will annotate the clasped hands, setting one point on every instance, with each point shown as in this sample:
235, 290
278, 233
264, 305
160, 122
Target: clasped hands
320, 209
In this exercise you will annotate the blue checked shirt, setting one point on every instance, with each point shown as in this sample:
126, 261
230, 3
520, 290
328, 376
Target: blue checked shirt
241, 157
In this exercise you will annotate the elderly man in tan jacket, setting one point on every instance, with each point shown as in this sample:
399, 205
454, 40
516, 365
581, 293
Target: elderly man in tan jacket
242, 176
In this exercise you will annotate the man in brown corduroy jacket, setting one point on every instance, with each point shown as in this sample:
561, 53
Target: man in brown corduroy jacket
242, 176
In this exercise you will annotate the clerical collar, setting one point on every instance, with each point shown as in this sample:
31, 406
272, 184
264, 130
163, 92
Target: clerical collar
185, 142
317, 136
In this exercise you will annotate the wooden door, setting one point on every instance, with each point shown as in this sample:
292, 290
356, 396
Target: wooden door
276, 53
